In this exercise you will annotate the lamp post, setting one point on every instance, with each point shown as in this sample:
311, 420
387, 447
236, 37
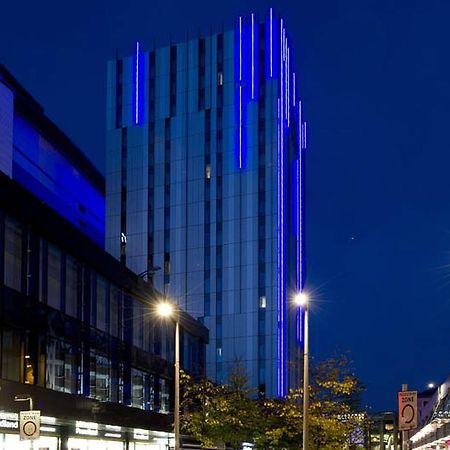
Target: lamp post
166, 309
301, 299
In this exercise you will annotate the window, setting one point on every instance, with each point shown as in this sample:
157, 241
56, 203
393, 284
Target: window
115, 296
29, 369
137, 388
11, 350
138, 323
13, 254
71, 286
208, 171
150, 392
99, 377
220, 78
54, 277
61, 371
166, 264
101, 303
164, 396
262, 301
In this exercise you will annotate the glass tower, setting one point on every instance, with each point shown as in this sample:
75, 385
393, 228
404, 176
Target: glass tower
204, 189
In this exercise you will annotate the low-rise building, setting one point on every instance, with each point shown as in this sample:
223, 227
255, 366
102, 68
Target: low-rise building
434, 426
78, 332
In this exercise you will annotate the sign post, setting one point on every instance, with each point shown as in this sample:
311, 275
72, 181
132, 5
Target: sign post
29, 425
407, 413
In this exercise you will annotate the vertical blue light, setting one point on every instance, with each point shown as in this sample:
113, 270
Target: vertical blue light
293, 88
253, 56
240, 127
244, 86
288, 74
304, 135
136, 105
299, 216
271, 42
281, 225
279, 260
240, 48
271, 55
240, 92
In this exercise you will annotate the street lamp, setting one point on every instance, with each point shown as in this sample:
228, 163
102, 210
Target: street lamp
302, 300
168, 310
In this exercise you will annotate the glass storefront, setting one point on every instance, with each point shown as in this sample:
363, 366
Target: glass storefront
13, 442
94, 444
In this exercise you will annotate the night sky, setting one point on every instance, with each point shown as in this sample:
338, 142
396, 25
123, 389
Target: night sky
375, 82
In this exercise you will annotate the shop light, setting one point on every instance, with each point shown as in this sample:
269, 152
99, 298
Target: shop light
86, 428
48, 429
141, 434
49, 420
113, 435
113, 428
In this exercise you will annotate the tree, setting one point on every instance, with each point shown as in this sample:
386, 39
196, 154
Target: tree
219, 415
334, 407
333, 411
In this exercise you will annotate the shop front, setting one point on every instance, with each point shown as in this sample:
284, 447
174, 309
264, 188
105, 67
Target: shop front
58, 434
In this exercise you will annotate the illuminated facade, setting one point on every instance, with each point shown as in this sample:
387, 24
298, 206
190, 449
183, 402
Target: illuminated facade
204, 188
78, 331
433, 431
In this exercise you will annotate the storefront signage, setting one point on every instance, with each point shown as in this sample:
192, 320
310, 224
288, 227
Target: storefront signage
86, 428
29, 425
141, 434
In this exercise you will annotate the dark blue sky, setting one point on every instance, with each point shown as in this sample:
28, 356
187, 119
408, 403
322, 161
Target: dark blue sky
375, 80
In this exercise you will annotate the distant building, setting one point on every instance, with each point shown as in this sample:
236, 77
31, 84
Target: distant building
434, 419
77, 330
383, 432
204, 180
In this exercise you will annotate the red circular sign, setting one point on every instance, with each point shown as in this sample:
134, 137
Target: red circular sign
29, 428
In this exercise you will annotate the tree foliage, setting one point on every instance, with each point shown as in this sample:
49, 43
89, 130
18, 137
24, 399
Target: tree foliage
219, 415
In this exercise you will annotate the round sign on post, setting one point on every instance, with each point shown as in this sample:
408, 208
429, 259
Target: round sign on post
407, 410
29, 425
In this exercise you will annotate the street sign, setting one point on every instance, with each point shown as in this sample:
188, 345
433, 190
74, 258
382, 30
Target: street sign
29, 425
407, 410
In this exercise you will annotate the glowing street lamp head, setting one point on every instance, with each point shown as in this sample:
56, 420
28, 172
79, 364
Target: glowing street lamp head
165, 309
301, 299
431, 385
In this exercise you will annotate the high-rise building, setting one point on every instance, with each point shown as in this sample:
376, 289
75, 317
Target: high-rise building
204, 188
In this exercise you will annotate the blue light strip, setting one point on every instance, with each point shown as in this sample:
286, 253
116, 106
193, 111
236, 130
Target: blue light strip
240, 127
136, 106
281, 224
240, 92
271, 38
240, 48
293, 88
279, 264
253, 56
304, 135
288, 85
280, 240
299, 227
